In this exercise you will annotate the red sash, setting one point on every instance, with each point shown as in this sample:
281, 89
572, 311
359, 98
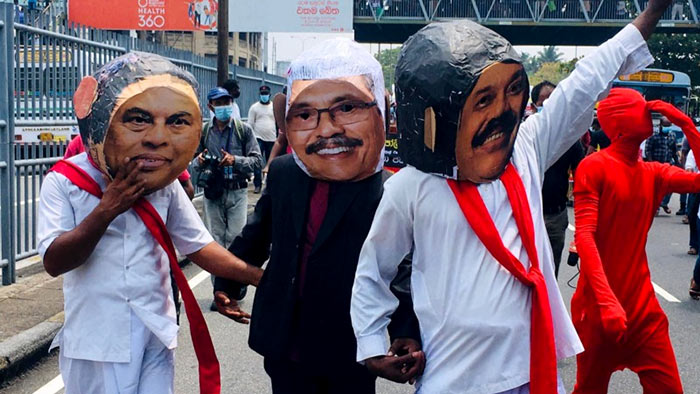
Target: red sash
543, 360
209, 375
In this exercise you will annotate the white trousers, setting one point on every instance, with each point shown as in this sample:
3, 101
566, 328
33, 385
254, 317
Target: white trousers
525, 389
151, 370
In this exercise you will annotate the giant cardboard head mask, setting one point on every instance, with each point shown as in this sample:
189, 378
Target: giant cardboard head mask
335, 112
142, 107
461, 93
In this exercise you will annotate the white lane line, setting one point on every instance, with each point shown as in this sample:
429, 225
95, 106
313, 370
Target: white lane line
665, 294
571, 228
199, 278
52, 387
56, 384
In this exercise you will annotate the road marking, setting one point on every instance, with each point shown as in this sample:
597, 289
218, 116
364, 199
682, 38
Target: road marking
665, 294
199, 278
52, 387
571, 228
56, 384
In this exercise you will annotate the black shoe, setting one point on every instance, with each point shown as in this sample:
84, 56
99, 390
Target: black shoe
680, 212
257, 190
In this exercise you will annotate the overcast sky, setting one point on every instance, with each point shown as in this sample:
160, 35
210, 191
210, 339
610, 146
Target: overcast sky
289, 45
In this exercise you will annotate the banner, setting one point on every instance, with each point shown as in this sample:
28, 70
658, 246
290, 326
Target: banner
179, 15
318, 16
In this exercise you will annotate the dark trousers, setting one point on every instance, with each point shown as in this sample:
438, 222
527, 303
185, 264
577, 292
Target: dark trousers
556, 225
693, 205
289, 377
684, 200
265, 149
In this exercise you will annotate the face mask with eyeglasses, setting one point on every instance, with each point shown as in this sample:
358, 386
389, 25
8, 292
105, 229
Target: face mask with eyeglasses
342, 113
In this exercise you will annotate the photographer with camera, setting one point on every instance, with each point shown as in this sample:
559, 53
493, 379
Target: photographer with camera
228, 154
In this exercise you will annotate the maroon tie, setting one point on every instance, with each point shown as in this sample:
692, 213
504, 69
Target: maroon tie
318, 205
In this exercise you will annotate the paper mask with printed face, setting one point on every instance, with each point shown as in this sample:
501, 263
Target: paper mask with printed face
335, 112
142, 107
461, 92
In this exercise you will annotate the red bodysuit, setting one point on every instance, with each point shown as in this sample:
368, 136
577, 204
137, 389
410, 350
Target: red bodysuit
614, 308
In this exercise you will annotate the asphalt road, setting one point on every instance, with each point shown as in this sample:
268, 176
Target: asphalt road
242, 370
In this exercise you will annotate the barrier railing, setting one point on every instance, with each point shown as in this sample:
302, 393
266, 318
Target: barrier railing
588, 11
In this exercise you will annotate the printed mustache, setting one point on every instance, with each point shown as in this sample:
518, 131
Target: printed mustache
339, 141
504, 123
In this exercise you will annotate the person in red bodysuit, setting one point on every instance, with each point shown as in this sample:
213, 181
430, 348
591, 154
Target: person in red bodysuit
614, 309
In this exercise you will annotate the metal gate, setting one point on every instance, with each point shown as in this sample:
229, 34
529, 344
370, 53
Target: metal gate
7, 253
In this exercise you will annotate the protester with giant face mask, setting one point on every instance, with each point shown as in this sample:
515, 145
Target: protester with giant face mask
491, 316
311, 221
109, 221
228, 154
261, 119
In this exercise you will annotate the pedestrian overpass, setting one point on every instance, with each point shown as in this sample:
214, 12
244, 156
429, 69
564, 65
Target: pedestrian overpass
522, 22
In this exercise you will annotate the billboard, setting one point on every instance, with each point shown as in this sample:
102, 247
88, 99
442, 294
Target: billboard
319, 16
176, 15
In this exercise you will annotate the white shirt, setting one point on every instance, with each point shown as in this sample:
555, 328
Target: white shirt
474, 315
262, 120
690, 164
127, 271
236, 112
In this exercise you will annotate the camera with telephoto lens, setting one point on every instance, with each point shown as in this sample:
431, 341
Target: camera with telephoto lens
209, 170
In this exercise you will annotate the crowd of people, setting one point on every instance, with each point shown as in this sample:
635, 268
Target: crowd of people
442, 274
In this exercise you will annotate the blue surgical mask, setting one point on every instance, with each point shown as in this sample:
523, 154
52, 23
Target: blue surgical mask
265, 98
223, 113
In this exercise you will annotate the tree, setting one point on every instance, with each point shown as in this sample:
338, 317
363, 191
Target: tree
388, 59
553, 72
678, 52
549, 54
531, 63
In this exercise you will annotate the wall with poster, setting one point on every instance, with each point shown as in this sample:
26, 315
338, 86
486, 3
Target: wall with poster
320, 16
180, 15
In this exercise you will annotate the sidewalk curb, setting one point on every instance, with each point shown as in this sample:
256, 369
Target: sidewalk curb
21, 350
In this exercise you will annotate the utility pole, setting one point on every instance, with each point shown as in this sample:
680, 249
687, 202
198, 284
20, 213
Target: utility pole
222, 43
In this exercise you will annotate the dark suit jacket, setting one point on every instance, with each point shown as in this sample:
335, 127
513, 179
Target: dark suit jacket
276, 230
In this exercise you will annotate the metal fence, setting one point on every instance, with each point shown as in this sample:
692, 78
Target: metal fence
45, 60
589, 11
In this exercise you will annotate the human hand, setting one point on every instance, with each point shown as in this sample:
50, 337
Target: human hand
230, 308
398, 369
674, 115
403, 346
227, 159
266, 169
200, 157
123, 191
614, 322
658, 5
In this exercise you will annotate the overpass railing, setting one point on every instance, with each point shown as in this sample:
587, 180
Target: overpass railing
41, 63
536, 11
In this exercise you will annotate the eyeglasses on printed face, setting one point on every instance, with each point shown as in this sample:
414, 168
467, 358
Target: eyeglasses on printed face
342, 113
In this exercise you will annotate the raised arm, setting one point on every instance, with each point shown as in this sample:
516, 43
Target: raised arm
587, 195
674, 179
569, 110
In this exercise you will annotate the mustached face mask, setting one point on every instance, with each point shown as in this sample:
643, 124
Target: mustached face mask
461, 93
140, 107
335, 112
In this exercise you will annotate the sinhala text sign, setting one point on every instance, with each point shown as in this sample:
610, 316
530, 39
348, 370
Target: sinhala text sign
321, 16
